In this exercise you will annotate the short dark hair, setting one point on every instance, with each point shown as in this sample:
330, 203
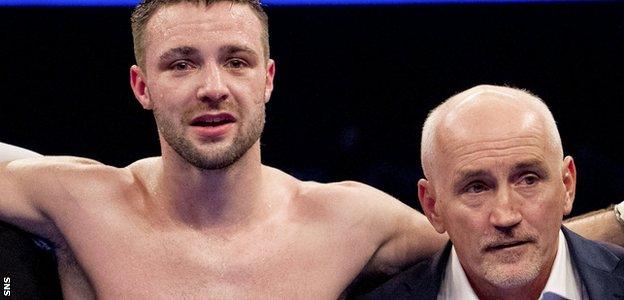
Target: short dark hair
147, 8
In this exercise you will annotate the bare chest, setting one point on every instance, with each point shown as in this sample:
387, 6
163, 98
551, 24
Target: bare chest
286, 262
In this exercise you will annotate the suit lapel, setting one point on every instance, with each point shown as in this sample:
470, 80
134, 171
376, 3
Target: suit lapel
596, 266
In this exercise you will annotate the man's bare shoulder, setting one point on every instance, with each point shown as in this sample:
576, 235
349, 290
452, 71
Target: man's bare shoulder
52, 161
68, 170
327, 192
346, 200
64, 169
53, 182
351, 194
146, 168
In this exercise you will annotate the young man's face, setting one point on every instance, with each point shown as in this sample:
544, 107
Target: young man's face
207, 79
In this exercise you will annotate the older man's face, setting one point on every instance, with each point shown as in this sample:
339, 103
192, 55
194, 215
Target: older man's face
501, 192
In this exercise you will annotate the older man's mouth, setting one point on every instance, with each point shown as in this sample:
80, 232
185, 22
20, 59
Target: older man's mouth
506, 245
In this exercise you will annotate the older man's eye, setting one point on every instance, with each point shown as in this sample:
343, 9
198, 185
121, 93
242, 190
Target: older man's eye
476, 188
529, 180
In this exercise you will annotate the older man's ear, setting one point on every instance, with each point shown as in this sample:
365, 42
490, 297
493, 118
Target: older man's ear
568, 174
427, 197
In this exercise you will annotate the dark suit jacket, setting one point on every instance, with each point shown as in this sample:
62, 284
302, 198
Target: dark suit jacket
600, 267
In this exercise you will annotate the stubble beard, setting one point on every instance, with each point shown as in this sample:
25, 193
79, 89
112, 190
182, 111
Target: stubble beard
516, 269
497, 275
215, 157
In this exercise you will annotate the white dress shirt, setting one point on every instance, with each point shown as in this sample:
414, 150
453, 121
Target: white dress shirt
563, 280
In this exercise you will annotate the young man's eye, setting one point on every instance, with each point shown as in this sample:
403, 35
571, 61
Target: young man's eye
236, 63
181, 66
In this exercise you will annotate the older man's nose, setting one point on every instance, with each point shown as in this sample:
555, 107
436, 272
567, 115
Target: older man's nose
504, 214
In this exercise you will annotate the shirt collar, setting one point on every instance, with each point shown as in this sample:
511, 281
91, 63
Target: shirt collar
563, 280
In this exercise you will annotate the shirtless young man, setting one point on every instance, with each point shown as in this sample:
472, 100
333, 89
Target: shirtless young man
207, 219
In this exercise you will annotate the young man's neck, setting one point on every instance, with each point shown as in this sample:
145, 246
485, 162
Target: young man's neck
200, 198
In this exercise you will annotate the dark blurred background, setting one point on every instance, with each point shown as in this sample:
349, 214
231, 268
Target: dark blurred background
353, 85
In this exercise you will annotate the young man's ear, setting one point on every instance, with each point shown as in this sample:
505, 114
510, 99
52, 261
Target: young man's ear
568, 174
430, 205
270, 75
139, 87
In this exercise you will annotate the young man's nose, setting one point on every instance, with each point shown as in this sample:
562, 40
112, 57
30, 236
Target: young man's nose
212, 86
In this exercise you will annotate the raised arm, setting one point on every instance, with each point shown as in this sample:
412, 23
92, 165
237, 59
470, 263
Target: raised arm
22, 183
403, 237
34, 188
600, 225
413, 239
23, 175
410, 239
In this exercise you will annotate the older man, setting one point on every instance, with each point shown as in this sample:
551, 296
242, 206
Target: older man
498, 183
